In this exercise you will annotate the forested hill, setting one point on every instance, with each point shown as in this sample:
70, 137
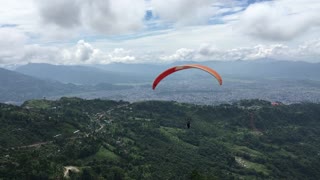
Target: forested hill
103, 139
17, 87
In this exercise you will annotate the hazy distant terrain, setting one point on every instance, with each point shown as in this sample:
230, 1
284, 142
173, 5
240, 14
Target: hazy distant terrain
137, 73
83, 75
16, 87
207, 91
284, 81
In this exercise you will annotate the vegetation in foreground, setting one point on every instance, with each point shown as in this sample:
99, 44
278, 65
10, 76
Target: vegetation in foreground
100, 139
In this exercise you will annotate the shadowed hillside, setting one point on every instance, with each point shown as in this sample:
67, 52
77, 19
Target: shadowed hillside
18, 87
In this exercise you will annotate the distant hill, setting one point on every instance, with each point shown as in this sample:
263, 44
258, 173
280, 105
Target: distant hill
138, 73
268, 69
84, 75
240, 69
139, 68
19, 87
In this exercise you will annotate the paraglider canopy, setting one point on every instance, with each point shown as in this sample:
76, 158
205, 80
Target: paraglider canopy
188, 66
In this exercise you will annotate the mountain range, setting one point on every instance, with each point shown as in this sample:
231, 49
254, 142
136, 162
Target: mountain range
46, 80
137, 73
76, 74
18, 87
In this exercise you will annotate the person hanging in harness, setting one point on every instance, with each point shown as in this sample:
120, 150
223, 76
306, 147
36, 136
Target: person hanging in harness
188, 124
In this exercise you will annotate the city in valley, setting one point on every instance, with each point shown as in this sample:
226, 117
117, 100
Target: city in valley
207, 91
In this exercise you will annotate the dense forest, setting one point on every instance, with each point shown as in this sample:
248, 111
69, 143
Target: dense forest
101, 139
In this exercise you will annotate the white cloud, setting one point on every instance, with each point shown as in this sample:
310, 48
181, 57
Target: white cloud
121, 55
180, 54
184, 12
11, 44
22, 13
282, 29
309, 51
39, 54
81, 53
116, 55
281, 19
103, 16
274, 51
11, 39
60, 12
115, 17
85, 53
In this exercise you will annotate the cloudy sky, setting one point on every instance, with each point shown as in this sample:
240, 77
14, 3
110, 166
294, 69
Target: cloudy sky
158, 31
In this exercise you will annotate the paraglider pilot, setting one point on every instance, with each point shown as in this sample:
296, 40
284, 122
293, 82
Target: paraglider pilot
188, 124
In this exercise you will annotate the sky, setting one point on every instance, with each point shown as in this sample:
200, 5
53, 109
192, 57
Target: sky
157, 31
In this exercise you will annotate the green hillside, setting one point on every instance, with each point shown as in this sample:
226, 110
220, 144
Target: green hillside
16, 87
100, 139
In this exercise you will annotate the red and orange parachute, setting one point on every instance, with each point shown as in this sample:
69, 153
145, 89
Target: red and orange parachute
188, 66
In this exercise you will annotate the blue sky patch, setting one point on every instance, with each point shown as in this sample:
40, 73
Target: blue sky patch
8, 25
